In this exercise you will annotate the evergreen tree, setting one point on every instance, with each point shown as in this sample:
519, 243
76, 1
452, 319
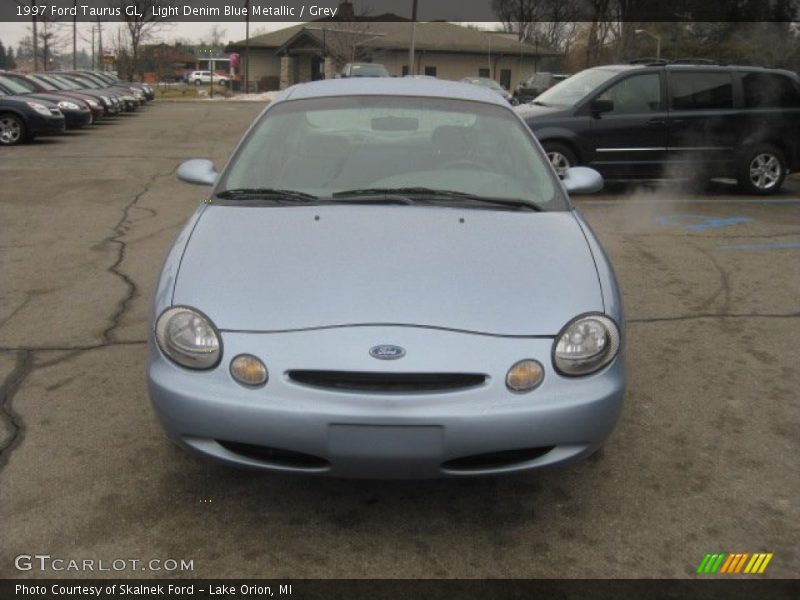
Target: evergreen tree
10, 62
3, 59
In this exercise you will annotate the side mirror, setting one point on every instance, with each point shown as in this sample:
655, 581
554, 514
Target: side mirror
599, 107
582, 180
198, 171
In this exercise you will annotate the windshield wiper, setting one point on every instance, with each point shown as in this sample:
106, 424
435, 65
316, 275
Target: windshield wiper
538, 103
412, 194
265, 194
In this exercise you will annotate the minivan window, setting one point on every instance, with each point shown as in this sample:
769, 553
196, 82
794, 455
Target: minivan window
768, 90
571, 91
635, 94
700, 90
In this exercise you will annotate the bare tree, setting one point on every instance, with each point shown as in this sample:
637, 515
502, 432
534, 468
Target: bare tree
345, 41
141, 26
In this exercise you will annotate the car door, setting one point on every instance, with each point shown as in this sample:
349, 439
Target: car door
703, 123
631, 139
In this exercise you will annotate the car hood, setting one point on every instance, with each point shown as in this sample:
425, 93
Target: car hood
55, 98
532, 111
286, 268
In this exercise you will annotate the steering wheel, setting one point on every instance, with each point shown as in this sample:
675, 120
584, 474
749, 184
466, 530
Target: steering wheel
465, 163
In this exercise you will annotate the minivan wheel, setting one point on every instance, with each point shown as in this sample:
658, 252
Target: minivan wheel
12, 130
762, 170
560, 156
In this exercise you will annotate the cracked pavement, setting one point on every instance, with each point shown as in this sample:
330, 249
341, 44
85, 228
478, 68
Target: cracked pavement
702, 460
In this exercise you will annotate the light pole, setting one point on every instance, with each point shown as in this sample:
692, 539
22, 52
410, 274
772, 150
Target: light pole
657, 38
411, 69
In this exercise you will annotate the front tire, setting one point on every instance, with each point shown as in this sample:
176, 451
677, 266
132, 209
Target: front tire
560, 156
762, 170
12, 130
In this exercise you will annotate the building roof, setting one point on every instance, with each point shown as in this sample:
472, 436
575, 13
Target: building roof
436, 36
392, 86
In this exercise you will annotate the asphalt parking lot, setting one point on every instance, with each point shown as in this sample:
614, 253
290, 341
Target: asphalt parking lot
704, 458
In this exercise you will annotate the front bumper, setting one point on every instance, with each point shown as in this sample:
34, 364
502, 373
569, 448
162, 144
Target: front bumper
483, 430
40, 125
77, 118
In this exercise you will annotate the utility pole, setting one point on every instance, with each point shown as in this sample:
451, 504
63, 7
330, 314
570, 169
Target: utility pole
93, 48
247, 46
411, 69
75, 36
35, 41
99, 45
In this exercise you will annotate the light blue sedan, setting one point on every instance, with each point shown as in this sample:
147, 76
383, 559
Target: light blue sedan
388, 280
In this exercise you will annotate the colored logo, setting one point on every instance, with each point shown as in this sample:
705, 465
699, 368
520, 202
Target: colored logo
732, 563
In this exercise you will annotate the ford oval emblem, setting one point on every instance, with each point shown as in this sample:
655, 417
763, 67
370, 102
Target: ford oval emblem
387, 352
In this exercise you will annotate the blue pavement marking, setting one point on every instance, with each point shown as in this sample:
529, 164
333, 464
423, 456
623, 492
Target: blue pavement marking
701, 222
776, 245
633, 202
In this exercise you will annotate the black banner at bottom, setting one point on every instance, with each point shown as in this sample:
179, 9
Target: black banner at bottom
356, 589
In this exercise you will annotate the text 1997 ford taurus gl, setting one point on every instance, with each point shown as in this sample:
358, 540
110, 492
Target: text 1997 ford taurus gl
388, 280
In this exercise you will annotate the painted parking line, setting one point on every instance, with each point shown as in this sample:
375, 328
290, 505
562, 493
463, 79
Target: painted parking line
700, 222
662, 201
772, 246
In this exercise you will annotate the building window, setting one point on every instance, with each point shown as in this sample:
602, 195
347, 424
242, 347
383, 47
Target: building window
484, 73
405, 70
431, 71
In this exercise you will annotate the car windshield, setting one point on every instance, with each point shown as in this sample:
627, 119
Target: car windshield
368, 71
63, 81
16, 86
48, 85
489, 83
572, 90
326, 146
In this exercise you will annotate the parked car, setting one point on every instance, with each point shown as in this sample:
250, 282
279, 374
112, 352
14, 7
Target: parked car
76, 112
132, 96
22, 119
360, 69
47, 85
536, 84
198, 77
473, 325
112, 105
125, 102
491, 84
674, 120
112, 79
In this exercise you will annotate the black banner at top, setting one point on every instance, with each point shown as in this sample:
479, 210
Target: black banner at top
394, 10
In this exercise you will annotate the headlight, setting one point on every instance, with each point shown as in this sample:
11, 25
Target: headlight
68, 105
40, 108
585, 345
188, 337
92, 103
105, 100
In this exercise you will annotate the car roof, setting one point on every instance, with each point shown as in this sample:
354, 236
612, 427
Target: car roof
687, 66
392, 86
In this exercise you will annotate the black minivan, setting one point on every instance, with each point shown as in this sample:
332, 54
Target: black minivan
674, 120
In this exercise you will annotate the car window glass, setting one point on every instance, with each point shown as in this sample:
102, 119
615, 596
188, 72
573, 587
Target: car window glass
769, 90
700, 90
571, 91
14, 85
635, 94
327, 145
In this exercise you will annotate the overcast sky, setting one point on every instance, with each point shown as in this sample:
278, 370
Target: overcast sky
12, 33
